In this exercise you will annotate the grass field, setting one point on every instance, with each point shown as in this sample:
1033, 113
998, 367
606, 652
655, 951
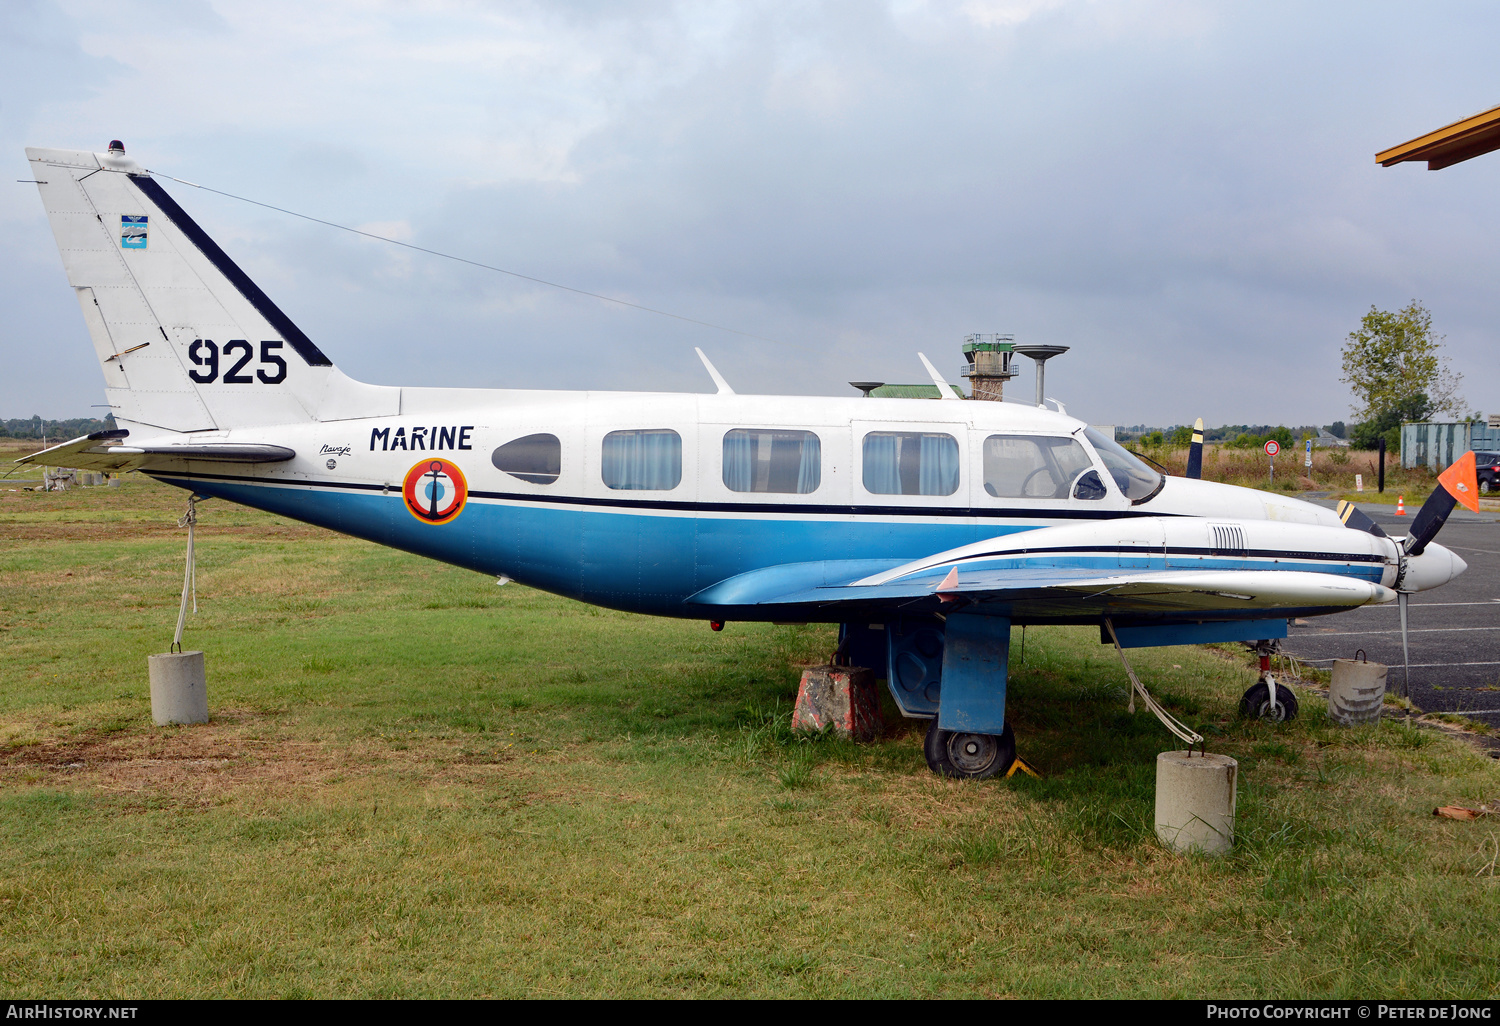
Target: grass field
417, 783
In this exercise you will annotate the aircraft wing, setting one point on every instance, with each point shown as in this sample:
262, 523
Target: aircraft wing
1042, 592
107, 450
1160, 569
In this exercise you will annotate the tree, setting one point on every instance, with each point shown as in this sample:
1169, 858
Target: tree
1367, 434
1395, 366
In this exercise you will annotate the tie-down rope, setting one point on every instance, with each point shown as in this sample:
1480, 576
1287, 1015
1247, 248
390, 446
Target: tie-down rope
189, 573
1169, 721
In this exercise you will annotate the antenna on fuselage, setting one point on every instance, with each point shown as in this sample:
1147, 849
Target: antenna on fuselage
945, 390
713, 372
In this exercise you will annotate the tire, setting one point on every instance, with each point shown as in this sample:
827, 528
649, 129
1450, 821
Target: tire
1256, 703
1485, 487
969, 756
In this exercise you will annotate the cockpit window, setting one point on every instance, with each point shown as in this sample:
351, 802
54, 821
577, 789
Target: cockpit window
1089, 486
1032, 466
1137, 481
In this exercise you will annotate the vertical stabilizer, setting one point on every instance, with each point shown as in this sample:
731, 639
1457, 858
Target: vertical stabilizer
186, 341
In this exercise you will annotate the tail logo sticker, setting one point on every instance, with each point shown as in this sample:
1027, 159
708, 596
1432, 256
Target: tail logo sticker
435, 491
132, 231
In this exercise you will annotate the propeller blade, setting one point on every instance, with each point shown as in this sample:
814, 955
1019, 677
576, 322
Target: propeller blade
1354, 517
1458, 484
1462, 480
1405, 652
1195, 451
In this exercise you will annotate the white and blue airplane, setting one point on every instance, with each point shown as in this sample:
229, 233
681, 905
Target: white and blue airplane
925, 529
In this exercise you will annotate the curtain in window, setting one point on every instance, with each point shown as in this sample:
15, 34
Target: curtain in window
882, 474
810, 473
642, 459
739, 461
939, 466
787, 462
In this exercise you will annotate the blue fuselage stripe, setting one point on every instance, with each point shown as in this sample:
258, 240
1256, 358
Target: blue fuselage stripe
626, 559
621, 559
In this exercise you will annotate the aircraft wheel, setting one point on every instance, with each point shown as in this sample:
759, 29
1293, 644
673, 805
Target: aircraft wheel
1256, 703
969, 756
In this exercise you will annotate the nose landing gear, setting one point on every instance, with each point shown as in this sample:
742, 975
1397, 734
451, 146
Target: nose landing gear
1265, 699
1256, 702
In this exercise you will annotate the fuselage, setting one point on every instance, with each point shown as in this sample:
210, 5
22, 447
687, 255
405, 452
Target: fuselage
649, 541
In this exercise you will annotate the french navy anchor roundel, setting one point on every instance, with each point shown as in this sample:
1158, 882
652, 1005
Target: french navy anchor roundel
435, 491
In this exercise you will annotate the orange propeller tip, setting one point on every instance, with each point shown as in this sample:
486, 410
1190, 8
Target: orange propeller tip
1462, 481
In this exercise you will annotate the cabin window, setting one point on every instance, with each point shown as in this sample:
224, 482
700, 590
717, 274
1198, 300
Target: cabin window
650, 459
910, 463
1035, 467
534, 458
762, 460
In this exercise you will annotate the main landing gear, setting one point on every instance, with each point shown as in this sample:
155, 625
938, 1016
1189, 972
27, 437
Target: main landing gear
971, 756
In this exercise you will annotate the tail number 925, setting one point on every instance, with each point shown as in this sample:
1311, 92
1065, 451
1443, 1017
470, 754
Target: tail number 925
205, 355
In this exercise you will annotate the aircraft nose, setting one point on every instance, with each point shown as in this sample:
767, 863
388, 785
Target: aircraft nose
1435, 567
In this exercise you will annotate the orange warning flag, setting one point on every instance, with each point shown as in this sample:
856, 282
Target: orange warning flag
1462, 481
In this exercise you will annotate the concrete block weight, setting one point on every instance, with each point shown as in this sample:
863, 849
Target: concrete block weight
1195, 795
843, 698
179, 688
1357, 692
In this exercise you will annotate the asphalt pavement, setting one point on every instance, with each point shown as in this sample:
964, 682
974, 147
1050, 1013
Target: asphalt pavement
1453, 631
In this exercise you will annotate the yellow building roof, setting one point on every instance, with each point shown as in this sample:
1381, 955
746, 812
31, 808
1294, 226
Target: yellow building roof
1451, 144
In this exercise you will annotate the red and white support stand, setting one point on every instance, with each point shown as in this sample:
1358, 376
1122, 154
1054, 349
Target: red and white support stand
841, 698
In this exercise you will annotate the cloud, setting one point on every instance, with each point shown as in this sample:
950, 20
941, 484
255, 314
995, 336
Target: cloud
1185, 195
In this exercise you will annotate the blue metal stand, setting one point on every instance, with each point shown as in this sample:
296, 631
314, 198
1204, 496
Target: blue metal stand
976, 654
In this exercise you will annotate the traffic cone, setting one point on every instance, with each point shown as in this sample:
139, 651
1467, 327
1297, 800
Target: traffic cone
1400, 505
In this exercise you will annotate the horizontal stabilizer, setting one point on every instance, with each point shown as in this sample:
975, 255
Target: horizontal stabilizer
107, 450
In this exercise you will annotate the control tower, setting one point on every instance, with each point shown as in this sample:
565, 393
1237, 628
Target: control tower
989, 357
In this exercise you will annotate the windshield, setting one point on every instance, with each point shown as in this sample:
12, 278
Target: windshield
1136, 480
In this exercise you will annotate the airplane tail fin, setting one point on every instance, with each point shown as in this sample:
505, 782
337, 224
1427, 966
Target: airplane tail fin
186, 341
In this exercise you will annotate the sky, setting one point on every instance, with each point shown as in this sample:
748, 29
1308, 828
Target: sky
1183, 193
